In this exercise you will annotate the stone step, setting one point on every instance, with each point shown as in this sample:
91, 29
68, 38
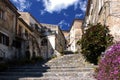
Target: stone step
72, 66
68, 59
46, 78
30, 67
62, 74
48, 70
59, 78
67, 62
68, 67
27, 70
21, 74
51, 76
67, 73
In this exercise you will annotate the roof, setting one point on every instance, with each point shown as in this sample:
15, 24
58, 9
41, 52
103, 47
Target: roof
25, 24
74, 21
30, 15
11, 6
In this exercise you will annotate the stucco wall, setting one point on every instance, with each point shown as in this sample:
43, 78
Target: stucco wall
75, 34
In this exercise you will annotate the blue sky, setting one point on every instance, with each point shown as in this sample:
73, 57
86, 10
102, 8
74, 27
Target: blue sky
58, 12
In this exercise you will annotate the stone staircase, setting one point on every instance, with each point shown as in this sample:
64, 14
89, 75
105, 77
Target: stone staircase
67, 67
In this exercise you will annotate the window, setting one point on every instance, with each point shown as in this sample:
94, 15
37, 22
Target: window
1, 14
26, 34
16, 44
36, 26
19, 31
4, 39
44, 42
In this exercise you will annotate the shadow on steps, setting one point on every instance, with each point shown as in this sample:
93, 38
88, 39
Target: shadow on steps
35, 70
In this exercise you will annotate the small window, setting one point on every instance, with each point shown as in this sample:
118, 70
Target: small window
26, 34
4, 39
20, 30
44, 42
36, 26
1, 14
16, 44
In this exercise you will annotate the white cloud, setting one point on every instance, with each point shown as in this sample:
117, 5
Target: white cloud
78, 15
76, 6
63, 24
52, 5
65, 14
22, 4
83, 5
42, 12
58, 5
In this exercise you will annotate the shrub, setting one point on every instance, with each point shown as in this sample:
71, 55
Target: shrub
76, 52
68, 52
94, 41
109, 65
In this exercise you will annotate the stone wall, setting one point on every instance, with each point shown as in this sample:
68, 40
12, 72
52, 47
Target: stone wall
75, 34
8, 21
106, 12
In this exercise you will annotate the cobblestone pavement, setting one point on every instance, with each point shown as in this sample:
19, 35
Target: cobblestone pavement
67, 67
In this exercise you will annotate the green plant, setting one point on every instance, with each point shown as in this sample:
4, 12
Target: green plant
76, 52
54, 56
78, 42
94, 41
68, 52
62, 53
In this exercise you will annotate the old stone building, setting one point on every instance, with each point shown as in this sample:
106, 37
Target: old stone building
33, 41
22, 36
75, 34
42, 47
26, 43
8, 22
57, 38
106, 12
